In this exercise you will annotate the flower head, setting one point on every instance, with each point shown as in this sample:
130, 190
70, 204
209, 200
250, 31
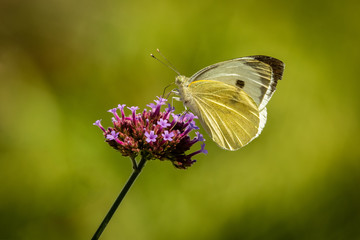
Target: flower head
154, 134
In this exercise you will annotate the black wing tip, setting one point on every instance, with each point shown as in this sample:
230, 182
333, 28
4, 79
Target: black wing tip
276, 65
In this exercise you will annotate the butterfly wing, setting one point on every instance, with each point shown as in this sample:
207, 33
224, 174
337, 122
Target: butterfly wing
256, 75
227, 113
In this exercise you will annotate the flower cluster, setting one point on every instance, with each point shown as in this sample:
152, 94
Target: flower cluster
154, 134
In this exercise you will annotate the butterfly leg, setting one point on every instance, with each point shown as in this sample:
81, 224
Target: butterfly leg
175, 98
175, 91
179, 100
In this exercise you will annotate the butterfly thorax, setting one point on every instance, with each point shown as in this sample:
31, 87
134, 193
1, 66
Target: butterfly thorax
182, 82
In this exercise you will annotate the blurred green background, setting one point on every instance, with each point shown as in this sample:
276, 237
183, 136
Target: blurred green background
64, 63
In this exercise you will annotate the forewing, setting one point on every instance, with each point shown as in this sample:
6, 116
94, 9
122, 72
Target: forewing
226, 112
256, 75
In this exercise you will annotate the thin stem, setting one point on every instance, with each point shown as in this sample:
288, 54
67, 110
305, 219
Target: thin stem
133, 160
119, 198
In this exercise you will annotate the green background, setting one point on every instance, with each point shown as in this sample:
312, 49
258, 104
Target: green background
64, 63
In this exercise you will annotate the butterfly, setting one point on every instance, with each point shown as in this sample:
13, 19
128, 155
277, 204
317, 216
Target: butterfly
230, 97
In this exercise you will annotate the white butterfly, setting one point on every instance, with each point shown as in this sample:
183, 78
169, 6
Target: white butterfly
230, 97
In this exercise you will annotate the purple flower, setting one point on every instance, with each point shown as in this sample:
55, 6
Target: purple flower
113, 111
200, 137
133, 111
193, 125
170, 108
189, 116
137, 134
187, 129
163, 123
98, 123
121, 108
112, 136
175, 117
160, 101
150, 137
152, 106
168, 136
202, 150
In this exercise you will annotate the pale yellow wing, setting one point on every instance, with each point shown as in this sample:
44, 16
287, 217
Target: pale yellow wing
227, 113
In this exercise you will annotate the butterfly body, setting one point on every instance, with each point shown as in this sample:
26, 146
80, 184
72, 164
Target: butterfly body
230, 97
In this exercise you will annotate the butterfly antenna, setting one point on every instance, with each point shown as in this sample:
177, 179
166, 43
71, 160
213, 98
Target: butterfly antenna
169, 65
167, 60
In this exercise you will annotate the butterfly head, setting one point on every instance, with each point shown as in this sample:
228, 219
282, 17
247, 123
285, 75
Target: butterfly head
180, 80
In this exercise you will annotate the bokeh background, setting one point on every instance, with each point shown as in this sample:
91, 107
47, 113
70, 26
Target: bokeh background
64, 63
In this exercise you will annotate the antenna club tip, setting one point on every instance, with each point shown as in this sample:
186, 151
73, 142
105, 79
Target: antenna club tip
158, 50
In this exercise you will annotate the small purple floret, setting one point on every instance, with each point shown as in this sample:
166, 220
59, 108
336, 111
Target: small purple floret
150, 137
113, 111
168, 136
133, 111
112, 136
160, 101
152, 106
133, 108
163, 123
98, 123
169, 108
193, 125
121, 108
200, 137
175, 117
203, 150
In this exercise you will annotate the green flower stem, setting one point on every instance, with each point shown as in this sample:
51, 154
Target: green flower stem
118, 200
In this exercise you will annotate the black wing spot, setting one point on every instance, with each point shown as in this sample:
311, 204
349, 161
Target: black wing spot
240, 83
276, 65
